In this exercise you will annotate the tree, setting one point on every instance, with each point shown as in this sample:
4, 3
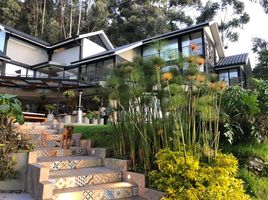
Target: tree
260, 46
10, 12
138, 19
230, 16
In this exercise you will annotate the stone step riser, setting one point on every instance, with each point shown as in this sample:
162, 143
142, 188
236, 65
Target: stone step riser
73, 164
81, 181
73, 151
100, 194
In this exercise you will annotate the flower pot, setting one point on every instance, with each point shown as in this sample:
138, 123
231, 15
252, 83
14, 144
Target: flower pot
101, 121
95, 121
67, 119
86, 120
50, 117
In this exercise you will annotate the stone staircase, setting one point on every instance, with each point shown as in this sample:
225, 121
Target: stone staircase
71, 174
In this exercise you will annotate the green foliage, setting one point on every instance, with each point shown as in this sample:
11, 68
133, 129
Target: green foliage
10, 141
256, 186
239, 108
101, 135
69, 94
163, 109
235, 17
89, 115
194, 179
50, 108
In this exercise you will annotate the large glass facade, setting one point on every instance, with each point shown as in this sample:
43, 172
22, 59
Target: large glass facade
97, 71
166, 49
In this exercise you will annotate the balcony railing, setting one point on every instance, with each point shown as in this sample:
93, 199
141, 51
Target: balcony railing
96, 75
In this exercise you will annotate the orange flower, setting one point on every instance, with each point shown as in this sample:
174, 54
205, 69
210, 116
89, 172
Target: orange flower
190, 59
222, 85
200, 78
212, 85
200, 61
194, 47
167, 76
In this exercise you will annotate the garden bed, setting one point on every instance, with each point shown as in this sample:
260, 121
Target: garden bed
100, 135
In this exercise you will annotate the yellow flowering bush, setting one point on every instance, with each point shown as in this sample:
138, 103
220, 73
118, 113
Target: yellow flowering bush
194, 180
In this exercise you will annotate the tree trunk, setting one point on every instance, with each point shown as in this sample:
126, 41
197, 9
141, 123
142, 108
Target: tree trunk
79, 18
43, 18
71, 19
62, 19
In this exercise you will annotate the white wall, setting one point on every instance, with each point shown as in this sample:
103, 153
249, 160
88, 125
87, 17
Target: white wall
130, 54
90, 48
26, 53
66, 56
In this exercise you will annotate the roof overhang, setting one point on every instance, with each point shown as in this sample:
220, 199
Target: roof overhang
217, 39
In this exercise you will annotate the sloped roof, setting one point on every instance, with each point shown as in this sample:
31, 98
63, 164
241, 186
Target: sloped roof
25, 35
109, 52
4, 56
239, 59
45, 44
141, 42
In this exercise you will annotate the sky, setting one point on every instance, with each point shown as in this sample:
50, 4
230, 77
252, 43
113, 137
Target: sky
257, 27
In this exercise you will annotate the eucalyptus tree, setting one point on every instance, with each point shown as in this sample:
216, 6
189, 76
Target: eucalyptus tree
230, 14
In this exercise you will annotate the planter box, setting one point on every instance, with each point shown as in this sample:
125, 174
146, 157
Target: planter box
21, 169
68, 119
50, 118
95, 121
86, 120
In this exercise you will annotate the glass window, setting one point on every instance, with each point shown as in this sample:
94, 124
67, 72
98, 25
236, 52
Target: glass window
71, 73
2, 40
168, 49
14, 70
188, 40
223, 76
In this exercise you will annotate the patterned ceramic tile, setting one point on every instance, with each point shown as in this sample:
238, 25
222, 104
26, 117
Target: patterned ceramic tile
109, 194
98, 195
56, 165
88, 195
72, 164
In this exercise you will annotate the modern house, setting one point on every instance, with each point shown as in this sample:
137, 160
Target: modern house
29, 65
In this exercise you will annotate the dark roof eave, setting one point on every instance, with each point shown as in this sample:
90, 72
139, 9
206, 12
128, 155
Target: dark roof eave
172, 33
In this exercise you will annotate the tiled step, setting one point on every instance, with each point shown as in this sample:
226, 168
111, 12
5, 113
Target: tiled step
82, 177
70, 162
58, 151
107, 191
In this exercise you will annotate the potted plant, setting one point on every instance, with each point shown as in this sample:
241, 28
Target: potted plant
10, 143
50, 109
96, 116
89, 116
68, 95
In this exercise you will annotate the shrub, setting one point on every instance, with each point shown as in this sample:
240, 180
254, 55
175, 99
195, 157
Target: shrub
196, 180
10, 141
239, 109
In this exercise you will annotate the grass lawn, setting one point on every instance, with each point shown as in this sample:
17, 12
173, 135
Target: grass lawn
101, 135
256, 186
